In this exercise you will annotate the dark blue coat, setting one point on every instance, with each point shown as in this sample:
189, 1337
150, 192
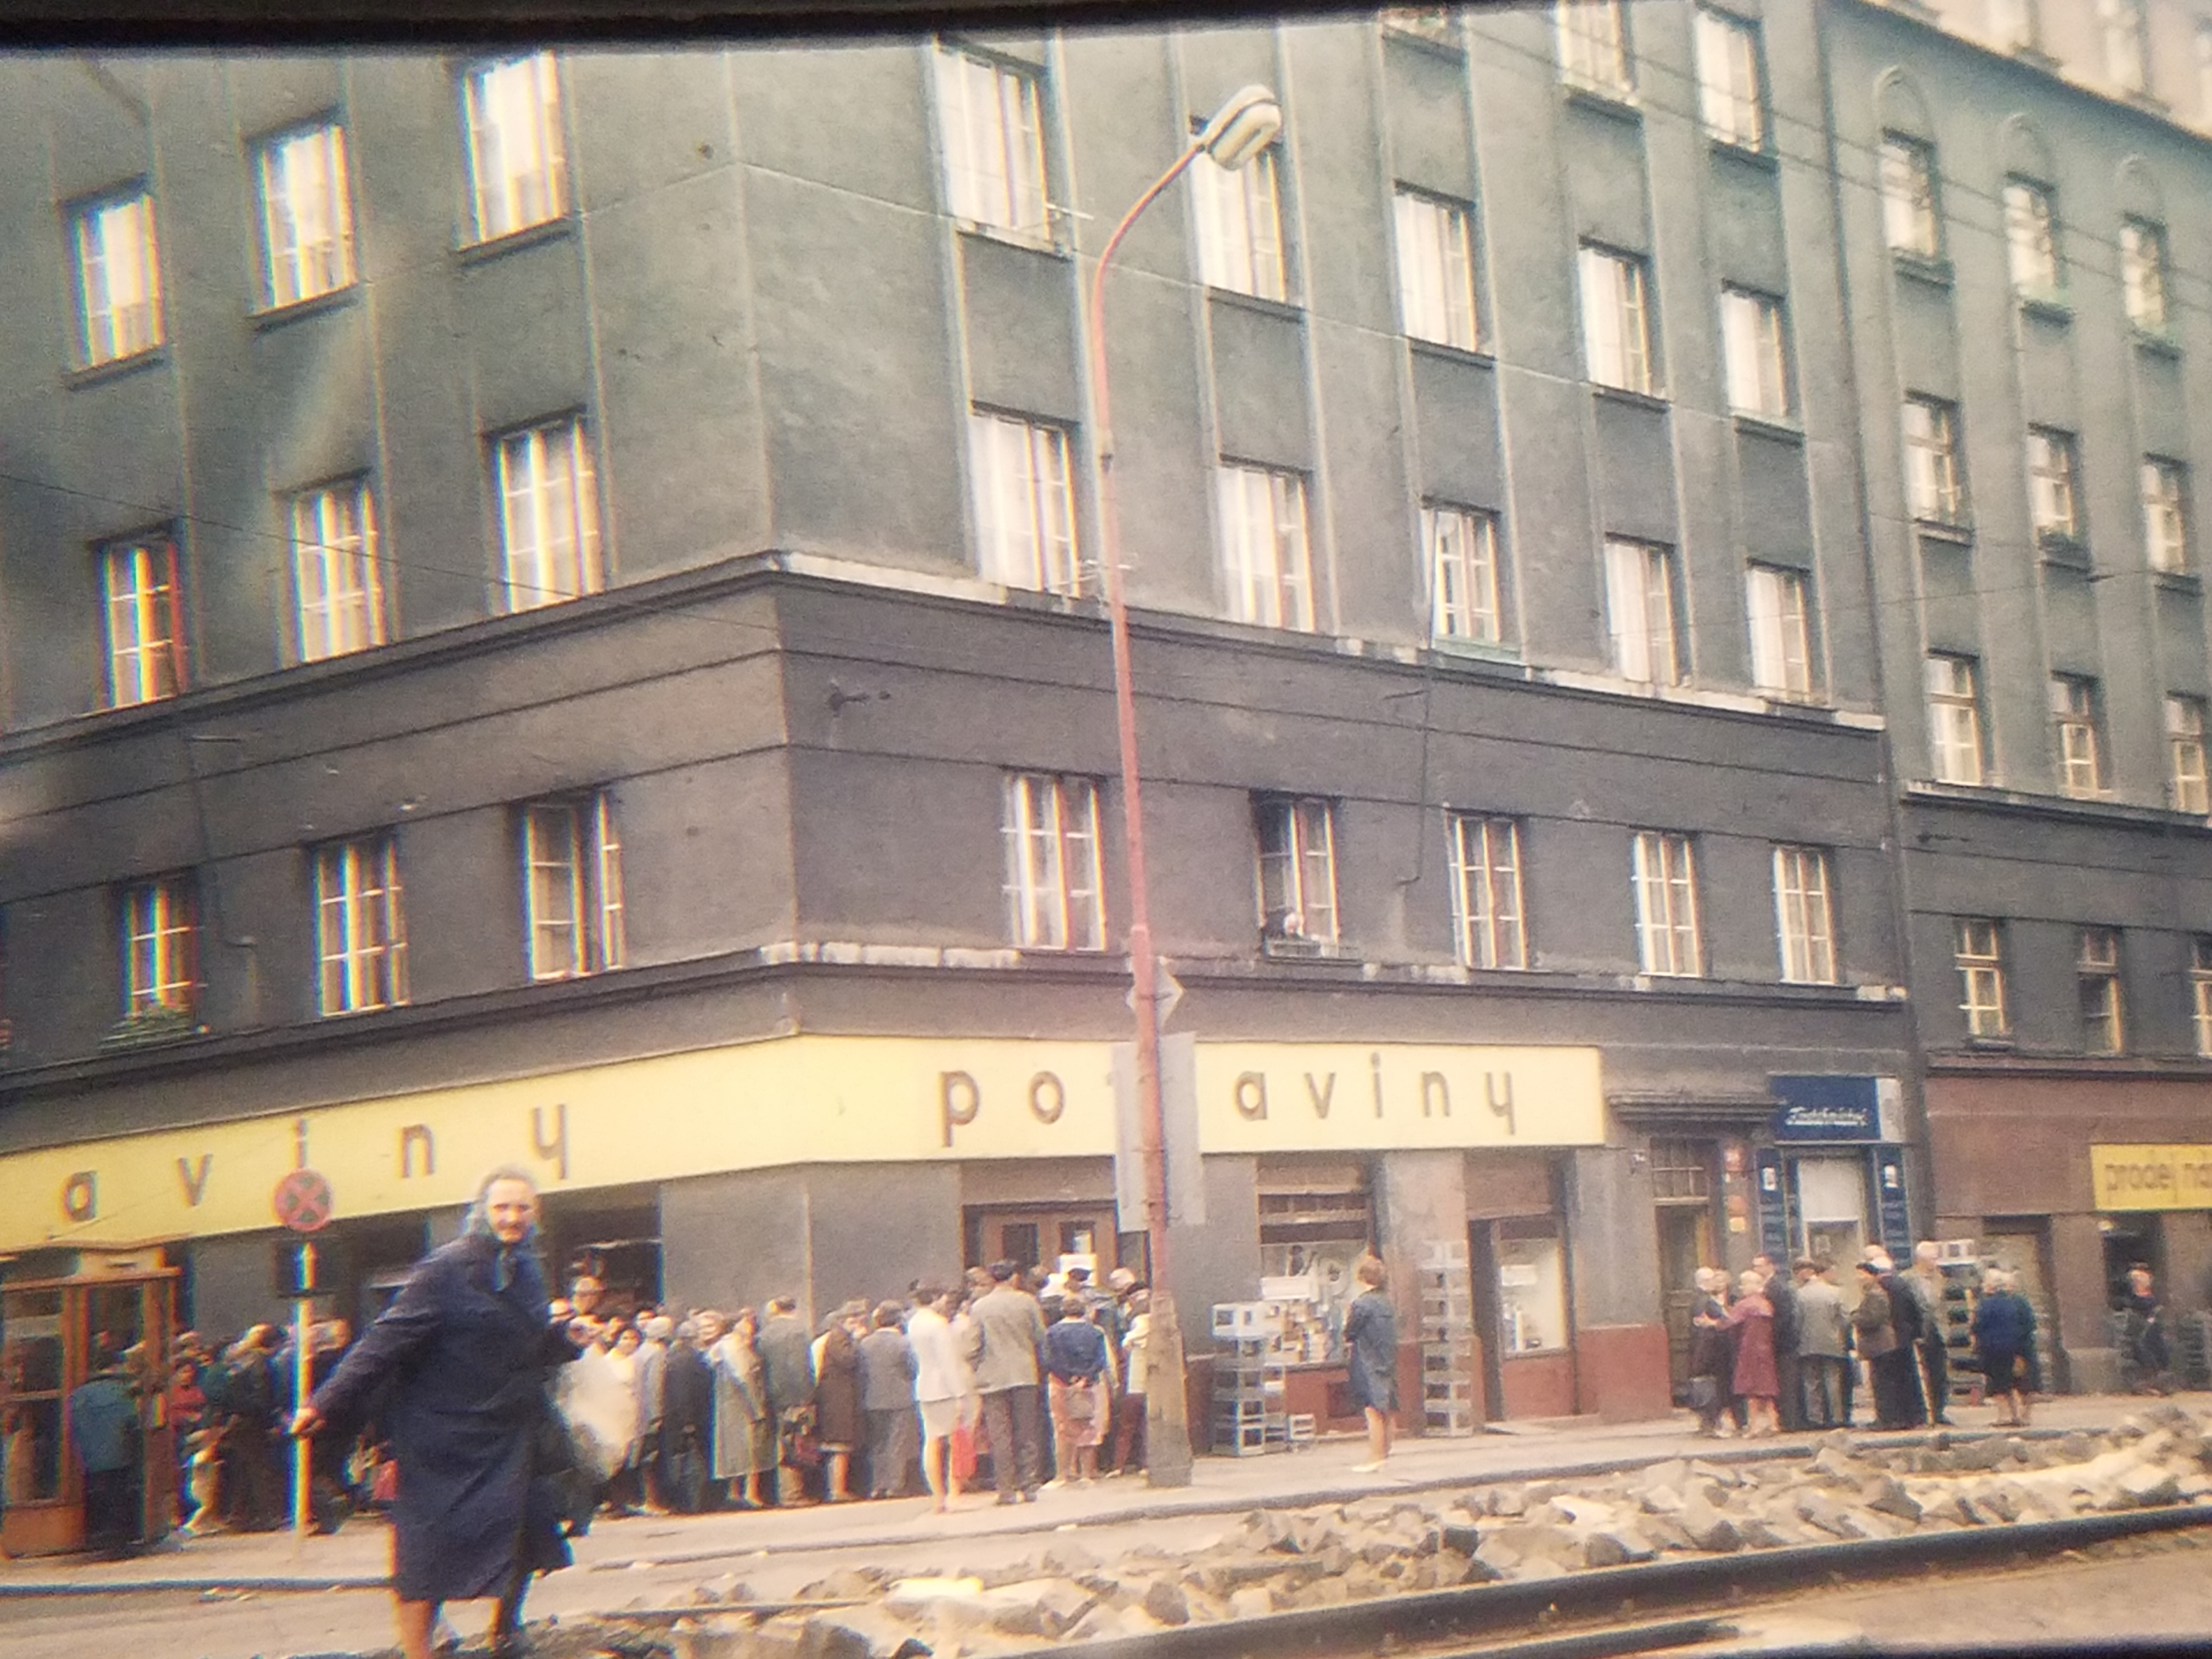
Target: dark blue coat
455, 1371
1370, 1336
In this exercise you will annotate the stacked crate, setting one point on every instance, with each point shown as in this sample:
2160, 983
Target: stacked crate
1249, 1379
1446, 1288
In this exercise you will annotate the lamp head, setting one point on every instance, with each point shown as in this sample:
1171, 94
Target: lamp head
1241, 128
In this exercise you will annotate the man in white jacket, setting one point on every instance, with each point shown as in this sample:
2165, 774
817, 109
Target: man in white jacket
940, 1378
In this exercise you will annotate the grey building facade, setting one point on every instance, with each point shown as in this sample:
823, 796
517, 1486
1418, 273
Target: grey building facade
549, 610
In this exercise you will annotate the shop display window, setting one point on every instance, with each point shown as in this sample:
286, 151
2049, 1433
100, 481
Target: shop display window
1532, 1287
1310, 1243
31, 1398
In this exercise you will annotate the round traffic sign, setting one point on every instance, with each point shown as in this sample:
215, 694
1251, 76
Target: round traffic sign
303, 1201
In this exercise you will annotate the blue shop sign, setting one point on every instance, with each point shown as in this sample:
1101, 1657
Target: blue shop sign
1827, 1107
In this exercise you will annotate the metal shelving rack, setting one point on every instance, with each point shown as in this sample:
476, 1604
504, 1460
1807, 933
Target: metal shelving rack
1250, 1380
1445, 1285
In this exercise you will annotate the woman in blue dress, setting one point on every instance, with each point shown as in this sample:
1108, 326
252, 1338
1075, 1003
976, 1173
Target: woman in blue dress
1370, 1336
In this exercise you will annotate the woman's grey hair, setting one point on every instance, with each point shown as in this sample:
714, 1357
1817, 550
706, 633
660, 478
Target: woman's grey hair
477, 1223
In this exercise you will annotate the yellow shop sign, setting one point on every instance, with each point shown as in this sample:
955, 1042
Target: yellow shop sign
2151, 1178
791, 1100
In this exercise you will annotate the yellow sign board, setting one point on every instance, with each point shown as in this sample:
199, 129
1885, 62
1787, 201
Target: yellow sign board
791, 1099
2151, 1178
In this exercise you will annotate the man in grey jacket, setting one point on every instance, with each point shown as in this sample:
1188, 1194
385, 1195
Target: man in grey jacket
1013, 1328
1822, 1334
786, 1348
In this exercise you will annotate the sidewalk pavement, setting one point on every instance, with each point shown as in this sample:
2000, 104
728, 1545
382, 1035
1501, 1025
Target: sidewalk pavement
358, 1557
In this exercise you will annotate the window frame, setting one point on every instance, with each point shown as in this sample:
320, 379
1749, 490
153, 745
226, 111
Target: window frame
2188, 787
2124, 30
1486, 861
1978, 955
2200, 991
2164, 485
1601, 59
1662, 868
1739, 98
1658, 585
2030, 211
582, 830
2099, 970
1045, 555
348, 570
1243, 242
1939, 498
583, 527
334, 249
2145, 288
361, 934
523, 200
116, 331
1805, 917
159, 919
1758, 324
1434, 237
2076, 718
1069, 897
154, 600
1466, 590
1303, 853
1280, 593
2047, 481
1911, 196
1001, 182
1617, 319
1781, 632
1965, 704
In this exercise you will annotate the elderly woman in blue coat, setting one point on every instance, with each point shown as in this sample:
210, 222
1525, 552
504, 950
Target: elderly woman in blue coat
1371, 1339
456, 1371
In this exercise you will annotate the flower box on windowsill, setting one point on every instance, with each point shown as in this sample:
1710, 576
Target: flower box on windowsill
150, 1026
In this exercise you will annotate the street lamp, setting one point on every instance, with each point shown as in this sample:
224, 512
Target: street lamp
1239, 131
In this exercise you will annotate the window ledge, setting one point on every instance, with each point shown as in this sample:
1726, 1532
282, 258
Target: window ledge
1959, 532
1288, 310
1769, 426
1932, 269
1276, 948
2107, 809
1655, 401
2051, 304
1436, 46
116, 367
1454, 644
1619, 103
2178, 581
1480, 356
2157, 342
1750, 155
2063, 552
545, 230
1052, 246
315, 306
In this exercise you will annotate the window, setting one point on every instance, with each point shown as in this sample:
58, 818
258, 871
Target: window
2204, 70
2098, 977
1435, 271
1616, 320
118, 277
1954, 719
2013, 24
1485, 855
335, 571
1054, 900
548, 514
2166, 513
1665, 892
1297, 873
2126, 60
517, 167
1908, 196
1593, 46
2184, 754
1729, 97
2073, 721
1934, 488
2030, 237
1435, 23
1980, 947
1263, 546
306, 215
1025, 506
2142, 273
1803, 922
994, 141
1781, 641
1682, 1170
1240, 227
1462, 547
2053, 473
358, 933
572, 886
145, 620
160, 955
1756, 351
1640, 612
2200, 991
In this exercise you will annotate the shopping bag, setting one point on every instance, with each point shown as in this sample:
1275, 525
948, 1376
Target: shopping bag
963, 1451
598, 1408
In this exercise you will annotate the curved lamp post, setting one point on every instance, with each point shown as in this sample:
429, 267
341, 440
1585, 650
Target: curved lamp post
1239, 131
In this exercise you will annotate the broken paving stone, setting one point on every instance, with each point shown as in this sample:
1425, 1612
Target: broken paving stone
1252, 1601
1886, 1495
1510, 1502
1616, 1547
1832, 1463
1754, 1534
2146, 1485
1165, 1601
1465, 1539
1661, 1500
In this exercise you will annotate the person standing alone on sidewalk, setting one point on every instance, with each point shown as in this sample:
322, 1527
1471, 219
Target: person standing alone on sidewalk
1007, 1377
1370, 1339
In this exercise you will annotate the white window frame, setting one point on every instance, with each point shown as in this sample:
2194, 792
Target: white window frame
1731, 91
2143, 273
991, 125
2073, 720
1297, 873
2187, 790
1055, 891
1489, 922
518, 154
1023, 493
338, 579
1461, 544
2097, 972
1240, 226
1266, 563
2125, 24
1911, 218
1935, 483
1618, 349
359, 932
1643, 611
161, 945
1663, 884
1804, 917
116, 252
1436, 269
1779, 603
140, 584
1977, 947
2031, 218
2054, 472
1953, 685
1594, 47
2166, 513
1755, 351
549, 513
572, 889
306, 214
2200, 991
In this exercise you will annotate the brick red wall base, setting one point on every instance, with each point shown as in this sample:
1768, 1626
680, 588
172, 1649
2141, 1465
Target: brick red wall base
1622, 1371
1539, 1385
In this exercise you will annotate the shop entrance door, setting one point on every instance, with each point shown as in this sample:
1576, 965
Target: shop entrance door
1686, 1244
1831, 1200
1033, 1239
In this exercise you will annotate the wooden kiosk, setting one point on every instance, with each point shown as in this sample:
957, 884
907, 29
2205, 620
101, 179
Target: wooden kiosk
60, 1309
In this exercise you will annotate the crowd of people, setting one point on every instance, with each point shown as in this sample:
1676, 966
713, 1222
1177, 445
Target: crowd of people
1778, 1353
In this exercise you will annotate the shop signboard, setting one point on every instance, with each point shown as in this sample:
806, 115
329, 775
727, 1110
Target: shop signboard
1830, 1109
2133, 1178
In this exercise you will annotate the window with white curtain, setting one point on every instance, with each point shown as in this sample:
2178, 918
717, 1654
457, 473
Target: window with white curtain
1436, 269
1755, 349
1240, 227
2184, 754
1781, 632
1486, 911
1805, 925
360, 940
992, 134
306, 214
336, 578
1663, 877
1024, 502
2031, 217
118, 278
1730, 99
1592, 44
1266, 564
517, 160
1462, 549
1617, 319
548, 514
1055, 898
572, 886
1954, 718
1641, 613
1298, 872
